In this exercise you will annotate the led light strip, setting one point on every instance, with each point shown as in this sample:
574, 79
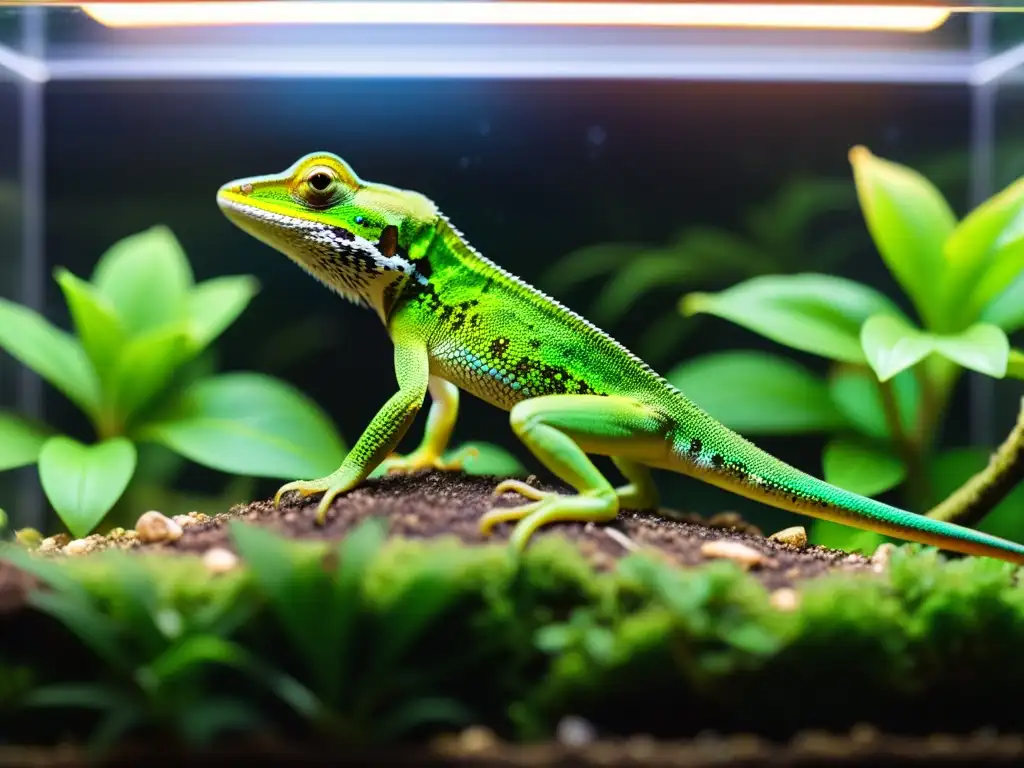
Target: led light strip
904, 18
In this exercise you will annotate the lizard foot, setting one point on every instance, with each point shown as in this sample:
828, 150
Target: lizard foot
331, 487
592, 506
418, 460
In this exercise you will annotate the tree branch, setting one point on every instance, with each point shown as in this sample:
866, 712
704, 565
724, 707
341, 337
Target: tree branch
970, 503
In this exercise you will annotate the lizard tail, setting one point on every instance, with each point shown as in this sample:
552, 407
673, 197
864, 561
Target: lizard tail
717, 455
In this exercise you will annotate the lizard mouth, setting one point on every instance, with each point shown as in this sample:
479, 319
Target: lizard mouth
341, 260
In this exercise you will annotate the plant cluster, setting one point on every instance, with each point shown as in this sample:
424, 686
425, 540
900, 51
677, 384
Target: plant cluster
138, 367
887, 392
374, 641
777, 236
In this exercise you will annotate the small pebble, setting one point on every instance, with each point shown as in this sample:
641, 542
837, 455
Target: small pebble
574, 731
220, 560
183, 520
154, 527
785, 599
794, 537
77, 547
880, 560
51, 543
476, 738
734, 550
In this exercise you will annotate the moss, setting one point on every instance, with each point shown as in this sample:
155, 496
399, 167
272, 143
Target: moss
397, 640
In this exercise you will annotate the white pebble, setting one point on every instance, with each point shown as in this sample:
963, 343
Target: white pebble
219, 560
154, 527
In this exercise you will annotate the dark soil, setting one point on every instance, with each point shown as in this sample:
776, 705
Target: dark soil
432, 504
861, 747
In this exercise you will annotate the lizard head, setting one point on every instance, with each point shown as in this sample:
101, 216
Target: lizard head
351, 235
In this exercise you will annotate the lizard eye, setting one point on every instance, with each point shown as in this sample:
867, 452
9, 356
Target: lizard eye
320, 180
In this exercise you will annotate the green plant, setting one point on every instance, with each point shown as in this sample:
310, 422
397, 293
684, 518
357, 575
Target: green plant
134, 368
370, 641
160, 640
891, 380
777, 235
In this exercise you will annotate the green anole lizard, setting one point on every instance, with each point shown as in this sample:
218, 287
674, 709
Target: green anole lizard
459, 321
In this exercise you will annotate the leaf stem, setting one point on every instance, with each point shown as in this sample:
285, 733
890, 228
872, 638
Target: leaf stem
908, 448
970, 503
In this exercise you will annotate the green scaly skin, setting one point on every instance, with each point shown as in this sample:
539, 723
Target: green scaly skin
459, 321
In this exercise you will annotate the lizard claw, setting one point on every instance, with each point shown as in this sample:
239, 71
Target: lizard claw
331, 486
417, 461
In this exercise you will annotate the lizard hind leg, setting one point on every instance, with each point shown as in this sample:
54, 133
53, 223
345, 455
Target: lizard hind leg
560, 430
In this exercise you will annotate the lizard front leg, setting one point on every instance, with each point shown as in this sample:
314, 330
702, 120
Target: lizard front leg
560, 430
444, 410
383, 433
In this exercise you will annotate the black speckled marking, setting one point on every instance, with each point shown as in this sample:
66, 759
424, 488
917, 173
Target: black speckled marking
695, 446
717, 459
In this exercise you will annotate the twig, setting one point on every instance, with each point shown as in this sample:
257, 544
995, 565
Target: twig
970, 503
621, 539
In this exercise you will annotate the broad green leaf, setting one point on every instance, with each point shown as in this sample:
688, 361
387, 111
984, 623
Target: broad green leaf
84, 482
215, 304
758, 393
52, 353
987, 247
250, 424
856, 394
892, 345
146, 365
95, 321
1015, 364
146, 277
909, 220
982, 347
1007, 309
810, 312
20, 441
861, 466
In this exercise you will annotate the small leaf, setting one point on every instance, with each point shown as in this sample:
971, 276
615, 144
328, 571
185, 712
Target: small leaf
489, 459
1015, 364
861, 467
215, 304
982, 347
84, 482
588, 262
825, 533
644, 273
814, 313
146, 365
1007, 309
20, 441
95, 320
295, 584
250, 424
787, 398
986, 251
856, 394
52, 353
909, 220
146, 277
892, 345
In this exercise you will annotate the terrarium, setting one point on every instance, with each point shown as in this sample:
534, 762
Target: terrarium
254, 252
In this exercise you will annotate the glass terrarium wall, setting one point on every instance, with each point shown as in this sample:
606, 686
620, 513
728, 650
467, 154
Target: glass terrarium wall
538, 139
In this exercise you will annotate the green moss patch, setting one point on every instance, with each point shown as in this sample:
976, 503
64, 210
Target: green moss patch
375, 640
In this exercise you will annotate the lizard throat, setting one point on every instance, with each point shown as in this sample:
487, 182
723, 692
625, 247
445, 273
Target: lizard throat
348, 264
